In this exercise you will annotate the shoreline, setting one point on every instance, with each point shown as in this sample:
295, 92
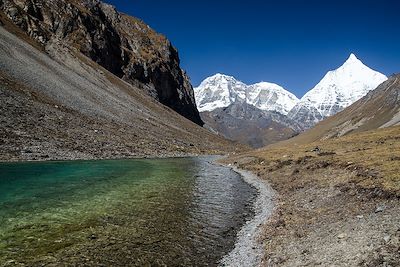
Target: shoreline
162, 156
248, 251
333, 207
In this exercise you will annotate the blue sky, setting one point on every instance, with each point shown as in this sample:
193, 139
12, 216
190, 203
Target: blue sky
289, 42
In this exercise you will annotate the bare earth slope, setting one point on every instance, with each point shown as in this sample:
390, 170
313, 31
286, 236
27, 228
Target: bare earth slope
73, 108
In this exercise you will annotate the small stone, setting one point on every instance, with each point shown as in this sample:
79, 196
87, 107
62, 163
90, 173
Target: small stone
341, 236
316, 149
360, 216
386, 238
93, 237
12, 12
379, 209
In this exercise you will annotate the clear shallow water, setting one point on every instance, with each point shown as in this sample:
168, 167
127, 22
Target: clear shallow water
155, 212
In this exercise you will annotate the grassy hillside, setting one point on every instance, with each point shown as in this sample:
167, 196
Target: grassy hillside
338, 201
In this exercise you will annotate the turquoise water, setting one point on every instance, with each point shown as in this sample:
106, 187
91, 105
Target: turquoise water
153, 212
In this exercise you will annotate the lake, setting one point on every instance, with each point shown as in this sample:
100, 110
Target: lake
144, 212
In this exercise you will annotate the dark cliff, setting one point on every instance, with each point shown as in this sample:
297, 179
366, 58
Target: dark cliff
124, 45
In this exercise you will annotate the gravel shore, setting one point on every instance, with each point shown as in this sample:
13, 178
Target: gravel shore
248, 250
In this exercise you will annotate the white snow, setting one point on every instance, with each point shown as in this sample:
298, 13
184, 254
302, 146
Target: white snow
222, 90
342, 87
337, 90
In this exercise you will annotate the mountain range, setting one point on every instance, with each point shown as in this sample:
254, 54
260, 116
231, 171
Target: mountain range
221, 91
337, 90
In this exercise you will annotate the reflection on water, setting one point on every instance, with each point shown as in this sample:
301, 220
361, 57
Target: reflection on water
179, 212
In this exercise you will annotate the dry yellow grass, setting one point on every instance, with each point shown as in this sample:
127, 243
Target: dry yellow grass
374, 155
337, 203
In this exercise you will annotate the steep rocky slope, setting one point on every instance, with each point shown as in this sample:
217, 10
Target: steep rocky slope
380, 108
249, 125
337, 90
123, 45
62, 105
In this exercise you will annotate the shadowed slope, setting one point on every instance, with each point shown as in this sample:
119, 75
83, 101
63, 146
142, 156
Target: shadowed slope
73, 108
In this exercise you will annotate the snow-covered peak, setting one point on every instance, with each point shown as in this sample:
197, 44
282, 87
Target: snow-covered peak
342, 87
222, 90
218, 91
352, 58
270, 96
352, 62
219, 77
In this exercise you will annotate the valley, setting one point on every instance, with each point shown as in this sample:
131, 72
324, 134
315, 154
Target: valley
110, 157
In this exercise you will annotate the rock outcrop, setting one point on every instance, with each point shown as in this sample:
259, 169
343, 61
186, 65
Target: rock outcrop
124, 45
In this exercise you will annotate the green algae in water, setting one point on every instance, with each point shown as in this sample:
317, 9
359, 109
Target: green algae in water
120, 212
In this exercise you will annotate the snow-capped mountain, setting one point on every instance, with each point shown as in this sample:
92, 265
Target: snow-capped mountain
221, 91
337, 90
269, 113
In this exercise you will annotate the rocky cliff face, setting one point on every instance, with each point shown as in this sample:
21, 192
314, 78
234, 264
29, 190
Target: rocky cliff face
124, 45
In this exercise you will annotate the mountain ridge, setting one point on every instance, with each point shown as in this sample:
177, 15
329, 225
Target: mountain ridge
58, 104
249, 125
219, 95
380, 108
124, 45
337, 90
221, 90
